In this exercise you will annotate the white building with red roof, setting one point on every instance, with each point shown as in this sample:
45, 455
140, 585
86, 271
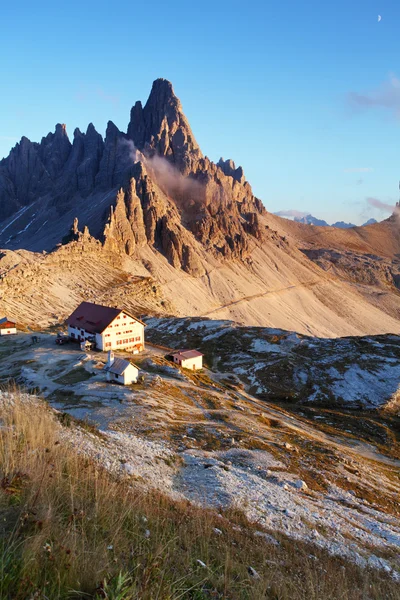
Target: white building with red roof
188, 359
110, 328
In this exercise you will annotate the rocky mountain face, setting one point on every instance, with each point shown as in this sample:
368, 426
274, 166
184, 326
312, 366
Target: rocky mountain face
146, 202
162, 190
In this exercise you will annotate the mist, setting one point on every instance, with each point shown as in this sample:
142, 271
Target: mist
383, 206
169, 179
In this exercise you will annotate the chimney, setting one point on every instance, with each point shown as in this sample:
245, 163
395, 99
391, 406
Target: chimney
110, 358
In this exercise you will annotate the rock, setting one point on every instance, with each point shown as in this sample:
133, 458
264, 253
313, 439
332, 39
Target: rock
267, 537
253, 573
201, 563
128, 469
229, 168
171, 197
161, 128
300, 485
217, 531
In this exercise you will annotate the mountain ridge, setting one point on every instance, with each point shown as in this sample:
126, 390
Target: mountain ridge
148, 203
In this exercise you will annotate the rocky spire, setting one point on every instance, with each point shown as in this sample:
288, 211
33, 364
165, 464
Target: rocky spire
162, 128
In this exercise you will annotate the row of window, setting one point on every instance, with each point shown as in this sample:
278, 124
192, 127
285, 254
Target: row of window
127, 341
118, 324
120, 342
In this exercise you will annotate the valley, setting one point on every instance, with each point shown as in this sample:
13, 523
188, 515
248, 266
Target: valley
323, 475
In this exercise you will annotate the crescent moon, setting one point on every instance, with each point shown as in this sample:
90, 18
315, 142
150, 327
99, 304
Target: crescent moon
379, 18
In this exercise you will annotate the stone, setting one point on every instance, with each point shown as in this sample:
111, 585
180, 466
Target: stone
300, 485
253, 573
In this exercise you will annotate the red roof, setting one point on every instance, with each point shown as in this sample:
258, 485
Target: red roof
4, 323
95, 318
184, 354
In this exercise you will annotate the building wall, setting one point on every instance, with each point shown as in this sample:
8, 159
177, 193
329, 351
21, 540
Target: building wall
190, 363
8, 331
124, 333
130, 375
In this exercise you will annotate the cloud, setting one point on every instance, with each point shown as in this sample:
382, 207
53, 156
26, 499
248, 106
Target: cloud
385, 96
382, 206
358, 170
182, 189
291, 213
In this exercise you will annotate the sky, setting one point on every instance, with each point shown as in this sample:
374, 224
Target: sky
304, 95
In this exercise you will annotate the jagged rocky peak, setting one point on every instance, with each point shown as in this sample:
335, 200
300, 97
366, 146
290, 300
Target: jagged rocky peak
172, 198
229, 168
162, 128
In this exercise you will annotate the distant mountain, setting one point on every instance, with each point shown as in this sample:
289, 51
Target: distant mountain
370, 222
310, 220
343, 225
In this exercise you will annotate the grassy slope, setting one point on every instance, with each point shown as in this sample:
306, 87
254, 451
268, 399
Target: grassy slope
70, 530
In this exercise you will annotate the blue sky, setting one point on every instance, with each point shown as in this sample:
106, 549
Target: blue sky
304, 95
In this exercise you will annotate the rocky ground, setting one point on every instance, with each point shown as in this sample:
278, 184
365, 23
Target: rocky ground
209, 439
351, 372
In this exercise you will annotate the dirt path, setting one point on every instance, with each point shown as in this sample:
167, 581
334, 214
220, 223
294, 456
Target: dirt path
306, 285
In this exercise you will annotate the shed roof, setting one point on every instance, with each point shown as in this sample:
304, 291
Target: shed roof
95, 318
184, 354
5, 320
119, 366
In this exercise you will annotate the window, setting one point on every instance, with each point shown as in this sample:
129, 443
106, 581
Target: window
72, 335
108, 344
124, 317
118, 317
137, 339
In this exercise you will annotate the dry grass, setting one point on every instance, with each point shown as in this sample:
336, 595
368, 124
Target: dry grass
69, 530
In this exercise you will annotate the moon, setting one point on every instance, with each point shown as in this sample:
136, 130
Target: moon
379, 18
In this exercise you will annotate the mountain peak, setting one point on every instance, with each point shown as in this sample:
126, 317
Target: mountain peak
162, 128
163, 88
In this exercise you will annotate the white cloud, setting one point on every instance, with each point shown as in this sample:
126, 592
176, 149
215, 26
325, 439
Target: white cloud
385, 96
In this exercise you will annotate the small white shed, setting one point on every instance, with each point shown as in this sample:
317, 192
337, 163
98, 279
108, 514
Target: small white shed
121, 370
188, 359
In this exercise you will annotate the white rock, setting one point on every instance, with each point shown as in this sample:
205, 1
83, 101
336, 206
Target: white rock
200, 562
217, 531
253, 573
300, 485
